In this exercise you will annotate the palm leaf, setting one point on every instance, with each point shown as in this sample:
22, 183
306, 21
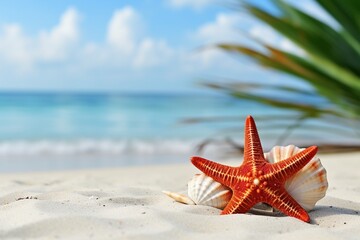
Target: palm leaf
330, 63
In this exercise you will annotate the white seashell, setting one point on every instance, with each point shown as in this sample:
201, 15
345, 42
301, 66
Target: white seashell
203, 190
308, 185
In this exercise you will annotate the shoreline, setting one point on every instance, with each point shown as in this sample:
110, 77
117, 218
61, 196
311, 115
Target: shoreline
127, 203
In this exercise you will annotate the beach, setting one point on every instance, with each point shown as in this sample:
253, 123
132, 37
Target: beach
127, 203
104, 108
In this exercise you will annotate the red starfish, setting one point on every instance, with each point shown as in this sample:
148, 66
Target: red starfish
257, 180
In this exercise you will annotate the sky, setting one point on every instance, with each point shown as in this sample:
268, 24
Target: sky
128, 46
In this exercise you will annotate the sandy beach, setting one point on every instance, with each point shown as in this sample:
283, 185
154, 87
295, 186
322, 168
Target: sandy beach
127, 203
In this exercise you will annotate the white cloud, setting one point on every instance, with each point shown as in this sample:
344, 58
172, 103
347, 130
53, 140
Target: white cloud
234, 28
269, 36
124, 29
56, 43
24, 52
126, 44
126, 53
152, 52
197, 4
14, 46
224, 28
264, 34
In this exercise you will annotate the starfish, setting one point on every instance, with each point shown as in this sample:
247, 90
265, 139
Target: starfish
256, 180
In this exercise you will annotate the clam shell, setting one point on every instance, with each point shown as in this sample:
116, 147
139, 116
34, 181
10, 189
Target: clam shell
179, 197
308, 185
204, 190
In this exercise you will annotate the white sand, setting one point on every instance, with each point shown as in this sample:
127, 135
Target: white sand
128, 204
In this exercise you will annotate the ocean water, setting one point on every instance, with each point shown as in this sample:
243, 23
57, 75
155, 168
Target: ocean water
72, 131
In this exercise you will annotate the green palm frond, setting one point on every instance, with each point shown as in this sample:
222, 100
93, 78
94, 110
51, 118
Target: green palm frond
330, 63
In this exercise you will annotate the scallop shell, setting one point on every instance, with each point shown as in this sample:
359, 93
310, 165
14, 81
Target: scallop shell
308, 185
203, 190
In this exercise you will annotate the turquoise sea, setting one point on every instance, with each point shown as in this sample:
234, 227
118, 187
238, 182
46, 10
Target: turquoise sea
53, 131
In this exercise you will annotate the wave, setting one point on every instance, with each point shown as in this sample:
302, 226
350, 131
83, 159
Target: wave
133, 147
91, 147
96, 147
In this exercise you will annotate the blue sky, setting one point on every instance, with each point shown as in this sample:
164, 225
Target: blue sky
125, 46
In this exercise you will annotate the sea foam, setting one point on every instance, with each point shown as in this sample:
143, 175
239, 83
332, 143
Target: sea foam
95, 147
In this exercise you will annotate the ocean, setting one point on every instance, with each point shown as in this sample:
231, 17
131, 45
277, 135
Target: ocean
53, 131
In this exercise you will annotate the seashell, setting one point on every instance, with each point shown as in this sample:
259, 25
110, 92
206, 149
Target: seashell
308, 185
179, 197
203, 190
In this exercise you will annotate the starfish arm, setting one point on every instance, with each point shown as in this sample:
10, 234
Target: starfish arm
220, 173
281, 200
240, 202
284, 169
253, 153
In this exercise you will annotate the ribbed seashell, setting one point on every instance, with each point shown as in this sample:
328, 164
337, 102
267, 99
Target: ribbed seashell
203, 190
308, 185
